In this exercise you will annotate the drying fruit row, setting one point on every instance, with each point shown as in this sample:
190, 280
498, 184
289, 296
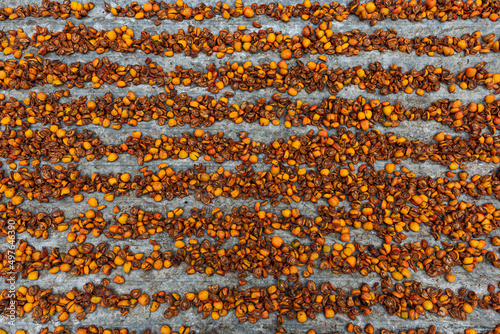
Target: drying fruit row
27, 74
55, 9
178, 109
260, 256
315, 12
276, 184
457, 220
290, 302
321, 40
316, 149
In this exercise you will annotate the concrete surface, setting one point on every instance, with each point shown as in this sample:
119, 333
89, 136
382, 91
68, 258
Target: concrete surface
175, 279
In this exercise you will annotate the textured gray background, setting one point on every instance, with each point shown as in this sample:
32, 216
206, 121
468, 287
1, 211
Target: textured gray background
175, 279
